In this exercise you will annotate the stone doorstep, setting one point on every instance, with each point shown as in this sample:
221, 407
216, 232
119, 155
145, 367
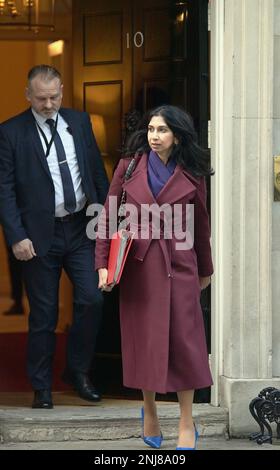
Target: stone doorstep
109, 420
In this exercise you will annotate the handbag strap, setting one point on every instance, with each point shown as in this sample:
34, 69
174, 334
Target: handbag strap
127, 175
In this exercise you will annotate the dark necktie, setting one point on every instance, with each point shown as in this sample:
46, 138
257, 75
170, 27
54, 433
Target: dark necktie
67, 183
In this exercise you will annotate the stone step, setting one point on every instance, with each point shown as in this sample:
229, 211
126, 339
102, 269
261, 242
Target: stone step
111, 419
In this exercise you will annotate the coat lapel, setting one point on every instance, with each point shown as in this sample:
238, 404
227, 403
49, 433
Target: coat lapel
76, 131
137, 186
32, 130
179, 185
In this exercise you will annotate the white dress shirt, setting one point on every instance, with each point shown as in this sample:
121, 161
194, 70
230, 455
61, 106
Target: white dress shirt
70, 151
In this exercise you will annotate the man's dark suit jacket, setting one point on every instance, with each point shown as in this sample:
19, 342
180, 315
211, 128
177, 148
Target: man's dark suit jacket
27, 197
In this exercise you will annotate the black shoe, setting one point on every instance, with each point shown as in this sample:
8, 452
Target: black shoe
15, 309
82, 384
42, 399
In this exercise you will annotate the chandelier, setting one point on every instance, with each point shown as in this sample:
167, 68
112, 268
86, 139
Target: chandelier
28, 14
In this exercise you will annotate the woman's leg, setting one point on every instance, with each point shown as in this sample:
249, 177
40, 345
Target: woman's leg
151, 423
186, 427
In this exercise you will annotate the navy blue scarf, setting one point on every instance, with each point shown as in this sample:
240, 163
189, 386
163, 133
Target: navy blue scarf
158, 172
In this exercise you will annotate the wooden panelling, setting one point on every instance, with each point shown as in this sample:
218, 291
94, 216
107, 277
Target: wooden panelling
102, 70
103, 101
156, 24
103, 34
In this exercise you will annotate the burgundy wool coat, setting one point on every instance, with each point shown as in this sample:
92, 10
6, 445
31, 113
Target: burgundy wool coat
162, 329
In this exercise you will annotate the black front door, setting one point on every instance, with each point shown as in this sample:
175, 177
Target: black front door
130, 56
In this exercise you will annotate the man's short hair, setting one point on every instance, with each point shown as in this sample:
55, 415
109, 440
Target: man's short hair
47, 72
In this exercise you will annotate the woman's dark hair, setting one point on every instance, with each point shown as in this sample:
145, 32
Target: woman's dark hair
187, 152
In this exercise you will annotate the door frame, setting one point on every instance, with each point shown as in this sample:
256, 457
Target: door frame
216, 12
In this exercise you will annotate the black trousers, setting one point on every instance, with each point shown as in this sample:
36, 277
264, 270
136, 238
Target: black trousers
73, 251
16, 277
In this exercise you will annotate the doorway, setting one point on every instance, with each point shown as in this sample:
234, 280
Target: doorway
130, 56
20, 55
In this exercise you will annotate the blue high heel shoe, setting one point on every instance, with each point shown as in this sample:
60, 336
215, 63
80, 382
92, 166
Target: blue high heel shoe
196, 436
152, 441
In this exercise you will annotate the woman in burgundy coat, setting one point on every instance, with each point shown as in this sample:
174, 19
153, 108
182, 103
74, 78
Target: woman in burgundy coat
162, 330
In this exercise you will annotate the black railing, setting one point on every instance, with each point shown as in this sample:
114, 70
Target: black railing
265, 409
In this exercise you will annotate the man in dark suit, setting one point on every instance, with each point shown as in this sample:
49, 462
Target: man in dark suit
50, 170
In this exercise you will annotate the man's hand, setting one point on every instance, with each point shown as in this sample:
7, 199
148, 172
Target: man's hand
204, 282
24, 250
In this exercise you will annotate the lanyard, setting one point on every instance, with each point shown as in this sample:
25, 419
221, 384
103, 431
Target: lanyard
53, 131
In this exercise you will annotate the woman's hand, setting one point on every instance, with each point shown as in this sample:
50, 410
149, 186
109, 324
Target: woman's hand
103, 276
204, 282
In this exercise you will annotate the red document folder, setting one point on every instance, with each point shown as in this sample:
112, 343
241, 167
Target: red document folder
119, 248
